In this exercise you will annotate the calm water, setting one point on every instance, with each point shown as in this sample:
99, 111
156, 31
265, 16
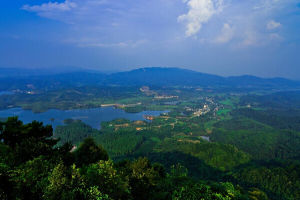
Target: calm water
92, 117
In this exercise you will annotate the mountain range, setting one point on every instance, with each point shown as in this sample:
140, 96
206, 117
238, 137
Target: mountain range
153, 76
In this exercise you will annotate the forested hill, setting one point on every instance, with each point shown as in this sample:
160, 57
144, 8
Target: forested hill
164, 77
155, 76
181, 77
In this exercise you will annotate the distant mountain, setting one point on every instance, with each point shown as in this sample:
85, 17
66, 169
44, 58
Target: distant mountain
181, 77
154, 76
253, 81
163, 77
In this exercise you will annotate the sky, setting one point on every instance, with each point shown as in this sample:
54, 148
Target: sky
224, 37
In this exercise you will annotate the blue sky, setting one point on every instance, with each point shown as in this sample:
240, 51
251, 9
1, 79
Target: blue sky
225, 37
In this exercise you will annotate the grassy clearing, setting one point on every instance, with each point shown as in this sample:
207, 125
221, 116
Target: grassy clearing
227, 102
223, 111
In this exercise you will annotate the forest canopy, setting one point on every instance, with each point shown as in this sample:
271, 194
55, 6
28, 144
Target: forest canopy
33, 166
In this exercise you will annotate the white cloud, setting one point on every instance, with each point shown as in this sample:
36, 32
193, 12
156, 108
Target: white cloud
247, 17
226, 35
200, 11
271, 25
51, 6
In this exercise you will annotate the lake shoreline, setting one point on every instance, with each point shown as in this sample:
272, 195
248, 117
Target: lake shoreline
92, 116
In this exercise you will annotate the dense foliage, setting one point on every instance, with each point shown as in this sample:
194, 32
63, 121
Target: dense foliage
74, 132
219, 156
49, 172
32, 166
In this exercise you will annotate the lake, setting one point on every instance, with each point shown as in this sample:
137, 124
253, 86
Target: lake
92, 117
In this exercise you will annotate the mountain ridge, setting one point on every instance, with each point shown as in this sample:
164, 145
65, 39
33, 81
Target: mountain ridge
179, 76
152, 76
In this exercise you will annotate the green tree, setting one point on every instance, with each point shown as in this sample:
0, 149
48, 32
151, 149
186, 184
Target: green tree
5, 186
108, 180
144, 178
256, 194
95, 194
27, 141
89, 152
221, 191
31, 178
65, 184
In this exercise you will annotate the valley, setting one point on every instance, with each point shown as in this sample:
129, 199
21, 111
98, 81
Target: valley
217, 133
